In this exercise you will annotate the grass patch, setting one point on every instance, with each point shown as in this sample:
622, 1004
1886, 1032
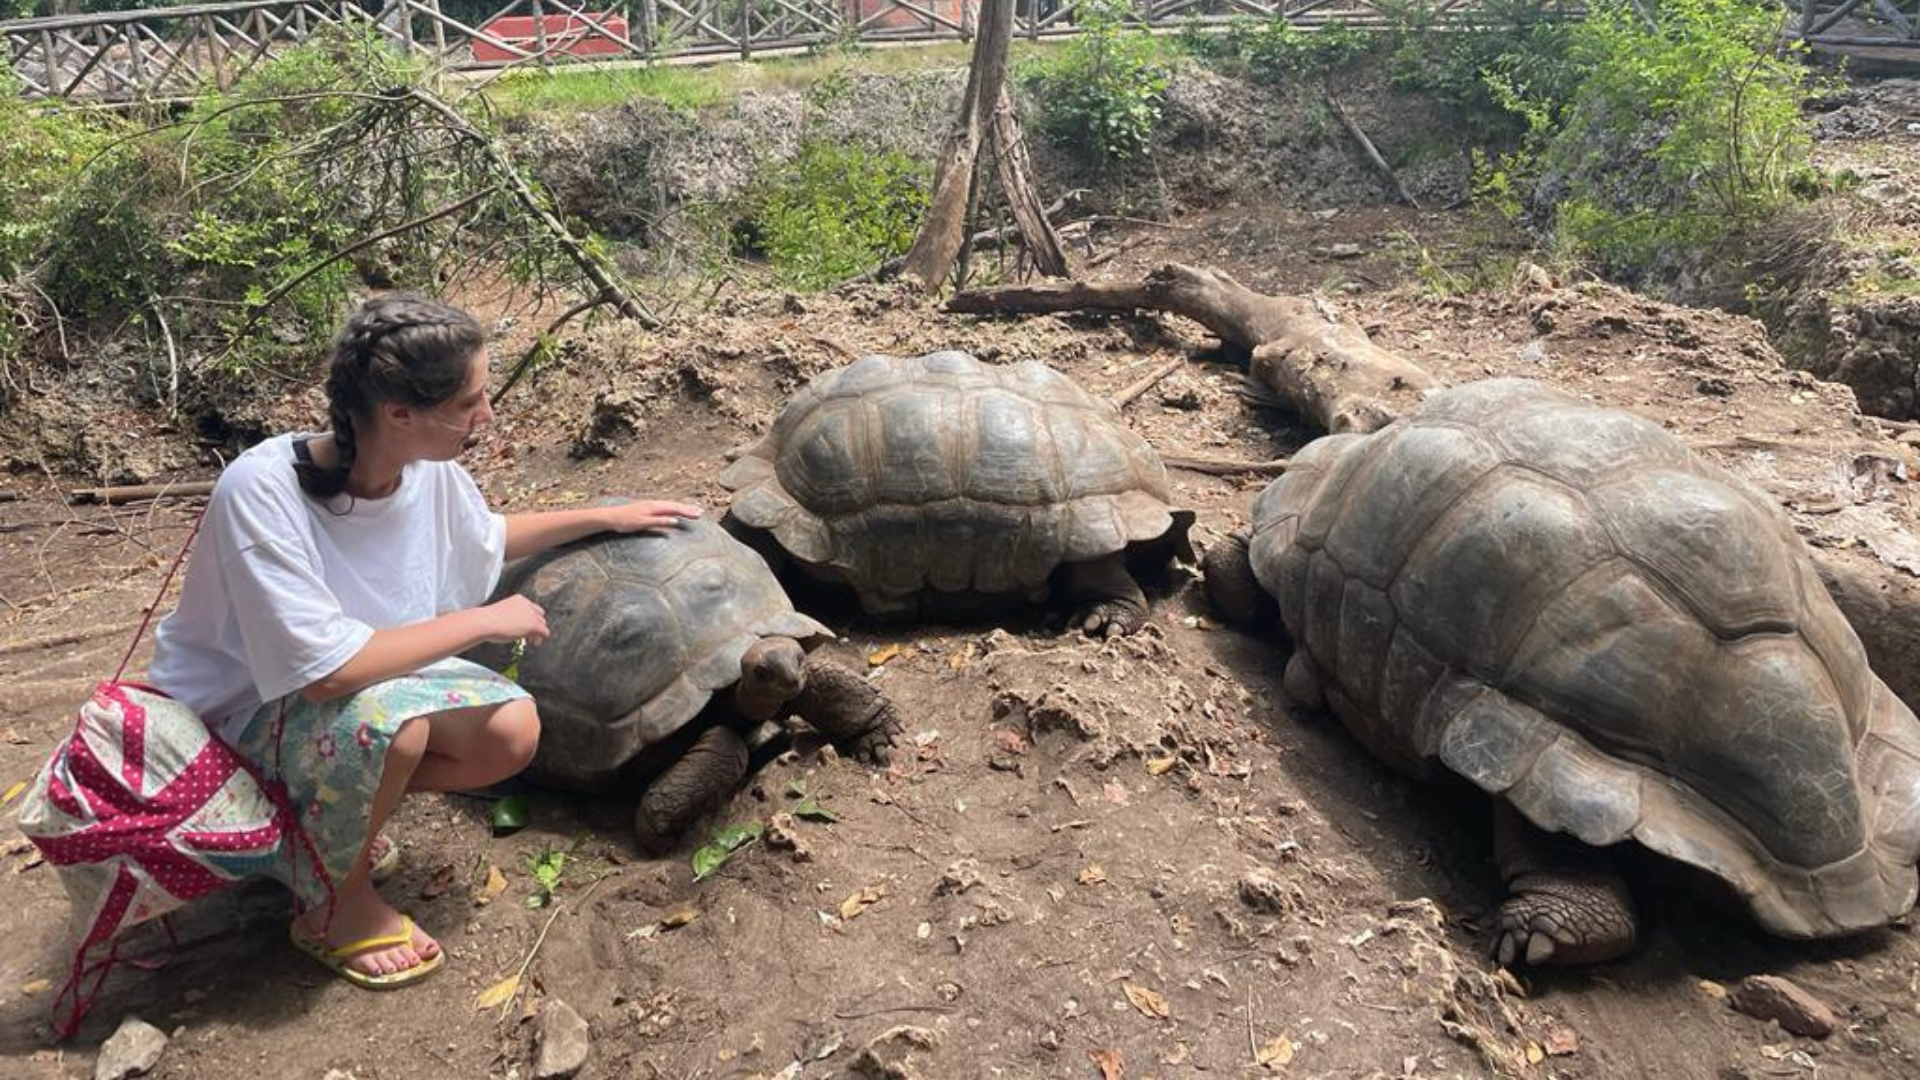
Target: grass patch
693, 87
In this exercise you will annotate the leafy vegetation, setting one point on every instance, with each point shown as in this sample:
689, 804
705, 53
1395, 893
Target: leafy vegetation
1515, 49
709, 857
834, 211
228, 236
1704, 94
1100, 93
1275, 50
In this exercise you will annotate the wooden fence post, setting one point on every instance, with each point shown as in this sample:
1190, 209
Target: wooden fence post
540, 32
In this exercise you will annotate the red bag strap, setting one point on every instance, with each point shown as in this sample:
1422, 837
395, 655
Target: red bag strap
165, 583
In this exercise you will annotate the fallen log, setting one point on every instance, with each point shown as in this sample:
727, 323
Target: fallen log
1325, 367
115, 496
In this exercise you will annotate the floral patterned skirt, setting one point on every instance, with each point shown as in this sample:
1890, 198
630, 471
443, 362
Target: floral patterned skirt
330, 757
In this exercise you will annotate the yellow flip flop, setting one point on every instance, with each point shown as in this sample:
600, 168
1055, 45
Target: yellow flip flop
386, 859
337, 959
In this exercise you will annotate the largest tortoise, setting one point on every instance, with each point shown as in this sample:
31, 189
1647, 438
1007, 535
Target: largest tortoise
938, 484
1569, 608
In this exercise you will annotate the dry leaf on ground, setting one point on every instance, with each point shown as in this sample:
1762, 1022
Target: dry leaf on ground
1149, 1002
1111, 1065
862, 900
497, 994
438, 882
1093, 875
1561, 1041
496, 884
1277, 1054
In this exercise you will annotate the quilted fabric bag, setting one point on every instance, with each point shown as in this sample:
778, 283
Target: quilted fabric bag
142, 809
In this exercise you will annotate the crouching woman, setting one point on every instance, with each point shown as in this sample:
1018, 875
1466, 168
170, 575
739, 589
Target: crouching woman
336, 580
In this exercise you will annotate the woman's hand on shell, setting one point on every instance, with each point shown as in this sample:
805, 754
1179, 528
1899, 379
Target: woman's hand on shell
647, 514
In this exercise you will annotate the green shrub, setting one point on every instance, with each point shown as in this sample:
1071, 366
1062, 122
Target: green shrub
1100, 93
1705, 97
1276, 51
41, 154
833, 212
1514, 47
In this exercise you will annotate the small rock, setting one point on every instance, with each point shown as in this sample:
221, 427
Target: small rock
1770, 997
564, 1042
134, 1048
958, 877
1182, 394
1262, 890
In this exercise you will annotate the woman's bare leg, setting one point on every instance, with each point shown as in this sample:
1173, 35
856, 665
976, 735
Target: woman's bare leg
359, 912
454, 750
472, 748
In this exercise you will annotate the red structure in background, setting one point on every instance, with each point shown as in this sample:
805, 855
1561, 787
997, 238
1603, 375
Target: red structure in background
962, 13
568, 35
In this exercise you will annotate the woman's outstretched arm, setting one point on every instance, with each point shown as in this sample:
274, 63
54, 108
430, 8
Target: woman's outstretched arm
529, 534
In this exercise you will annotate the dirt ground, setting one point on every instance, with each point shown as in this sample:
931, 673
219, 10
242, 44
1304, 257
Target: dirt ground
1097, 859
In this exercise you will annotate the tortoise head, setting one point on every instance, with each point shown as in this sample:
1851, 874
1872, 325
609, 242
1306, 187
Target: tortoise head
773, 671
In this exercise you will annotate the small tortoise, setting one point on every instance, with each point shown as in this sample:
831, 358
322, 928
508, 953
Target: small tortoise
646, 629
1616, 638
937, 484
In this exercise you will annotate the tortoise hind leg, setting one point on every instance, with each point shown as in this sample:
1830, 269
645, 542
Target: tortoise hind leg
1106, 601
711, 770
1566, 902
849, 710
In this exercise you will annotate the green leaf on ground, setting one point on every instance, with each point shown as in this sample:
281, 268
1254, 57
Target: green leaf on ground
714, 854
811, 810
808, 808
509, 815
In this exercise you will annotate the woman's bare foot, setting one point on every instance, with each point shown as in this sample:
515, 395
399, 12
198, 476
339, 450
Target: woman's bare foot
360, 914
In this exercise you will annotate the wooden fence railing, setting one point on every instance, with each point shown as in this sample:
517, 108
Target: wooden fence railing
173, 52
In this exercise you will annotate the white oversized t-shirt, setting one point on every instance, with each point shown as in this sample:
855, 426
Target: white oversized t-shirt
282, 590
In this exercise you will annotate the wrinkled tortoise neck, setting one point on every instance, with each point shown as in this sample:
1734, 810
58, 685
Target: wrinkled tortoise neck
772, 673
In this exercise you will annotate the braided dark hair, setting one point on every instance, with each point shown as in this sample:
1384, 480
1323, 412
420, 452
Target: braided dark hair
397, 347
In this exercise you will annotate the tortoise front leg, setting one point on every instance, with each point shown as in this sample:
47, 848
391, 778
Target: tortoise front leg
849, 710
1234, 591
1566, 902
1107, 602
710, 771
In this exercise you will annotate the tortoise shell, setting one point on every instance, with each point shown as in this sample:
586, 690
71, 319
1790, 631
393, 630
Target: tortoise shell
646, 627
941, 472
1568, 607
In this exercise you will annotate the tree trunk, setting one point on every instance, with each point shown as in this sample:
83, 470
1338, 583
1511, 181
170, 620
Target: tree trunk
1011, 161
1326, 368
985, 107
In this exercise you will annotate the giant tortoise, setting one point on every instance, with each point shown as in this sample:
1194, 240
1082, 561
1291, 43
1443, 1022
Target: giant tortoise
647, 629
1616, 638
932, 484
